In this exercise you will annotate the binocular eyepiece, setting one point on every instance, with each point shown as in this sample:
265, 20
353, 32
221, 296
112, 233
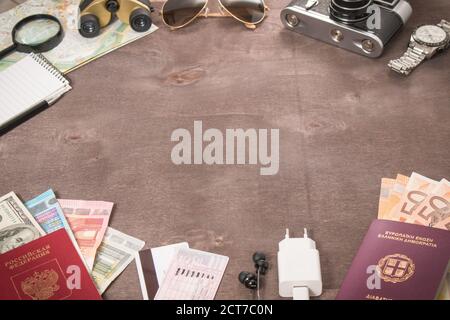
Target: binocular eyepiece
112, 6
350, 11
96, 14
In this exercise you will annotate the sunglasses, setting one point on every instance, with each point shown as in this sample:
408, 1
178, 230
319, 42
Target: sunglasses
179, 13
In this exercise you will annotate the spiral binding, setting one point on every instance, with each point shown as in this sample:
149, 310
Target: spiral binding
39, 58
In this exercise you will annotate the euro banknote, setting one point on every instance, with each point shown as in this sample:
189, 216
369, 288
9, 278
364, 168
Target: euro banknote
417, 190
435, 208
17, 225
88, 221
420, 200
445, 224
395, 194
445, 291
385, 190
114, 254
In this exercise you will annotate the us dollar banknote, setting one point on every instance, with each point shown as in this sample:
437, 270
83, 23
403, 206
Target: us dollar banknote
115, 253
17, 225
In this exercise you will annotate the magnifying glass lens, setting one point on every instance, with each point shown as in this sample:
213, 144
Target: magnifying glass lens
36, 32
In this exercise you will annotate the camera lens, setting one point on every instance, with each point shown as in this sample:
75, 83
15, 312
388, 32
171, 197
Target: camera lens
349, 11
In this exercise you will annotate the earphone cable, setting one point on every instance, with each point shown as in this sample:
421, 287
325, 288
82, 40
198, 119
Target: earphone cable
257, 286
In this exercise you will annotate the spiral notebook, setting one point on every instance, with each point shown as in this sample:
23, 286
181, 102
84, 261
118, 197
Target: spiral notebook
27, 87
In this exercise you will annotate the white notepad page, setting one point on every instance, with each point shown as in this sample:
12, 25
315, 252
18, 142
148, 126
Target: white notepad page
28, 83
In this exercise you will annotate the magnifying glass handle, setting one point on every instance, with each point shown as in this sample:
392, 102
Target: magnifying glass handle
7, 51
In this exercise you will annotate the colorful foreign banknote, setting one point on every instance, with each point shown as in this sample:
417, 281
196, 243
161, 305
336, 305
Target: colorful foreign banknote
88, 221
17, 225
49, 214
114, 254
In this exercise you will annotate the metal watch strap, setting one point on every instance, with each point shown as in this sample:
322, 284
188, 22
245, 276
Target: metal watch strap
446, 26
408, 62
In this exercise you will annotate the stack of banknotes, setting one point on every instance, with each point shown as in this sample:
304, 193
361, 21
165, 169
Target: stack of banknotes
415, 199
420, 200
106, 252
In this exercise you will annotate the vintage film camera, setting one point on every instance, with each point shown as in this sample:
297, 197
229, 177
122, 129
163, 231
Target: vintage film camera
361, 26
96, 14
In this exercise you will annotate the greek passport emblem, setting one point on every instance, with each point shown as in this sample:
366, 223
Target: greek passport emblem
395, 268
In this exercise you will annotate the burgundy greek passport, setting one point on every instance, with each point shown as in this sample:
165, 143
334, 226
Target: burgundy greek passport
398, 261
48, 268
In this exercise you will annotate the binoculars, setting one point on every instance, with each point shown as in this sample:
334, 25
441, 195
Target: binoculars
96, 14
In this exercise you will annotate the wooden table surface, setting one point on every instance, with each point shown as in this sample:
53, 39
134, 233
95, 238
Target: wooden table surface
345, 122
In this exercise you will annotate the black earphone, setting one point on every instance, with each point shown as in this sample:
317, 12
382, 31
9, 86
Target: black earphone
251, 280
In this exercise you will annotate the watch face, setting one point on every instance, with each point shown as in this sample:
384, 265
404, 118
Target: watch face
431, 35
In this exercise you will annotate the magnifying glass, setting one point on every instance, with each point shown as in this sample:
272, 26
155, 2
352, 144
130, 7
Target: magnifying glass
36, 33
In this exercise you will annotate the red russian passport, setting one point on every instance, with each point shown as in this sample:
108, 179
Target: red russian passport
398, 261
48, 268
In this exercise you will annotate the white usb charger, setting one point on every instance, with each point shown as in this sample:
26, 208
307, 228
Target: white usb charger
299, 274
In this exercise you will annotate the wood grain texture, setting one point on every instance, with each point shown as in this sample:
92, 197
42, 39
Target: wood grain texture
9, 4
345, 122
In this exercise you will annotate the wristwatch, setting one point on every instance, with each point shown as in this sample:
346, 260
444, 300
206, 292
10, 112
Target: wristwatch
426, 41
